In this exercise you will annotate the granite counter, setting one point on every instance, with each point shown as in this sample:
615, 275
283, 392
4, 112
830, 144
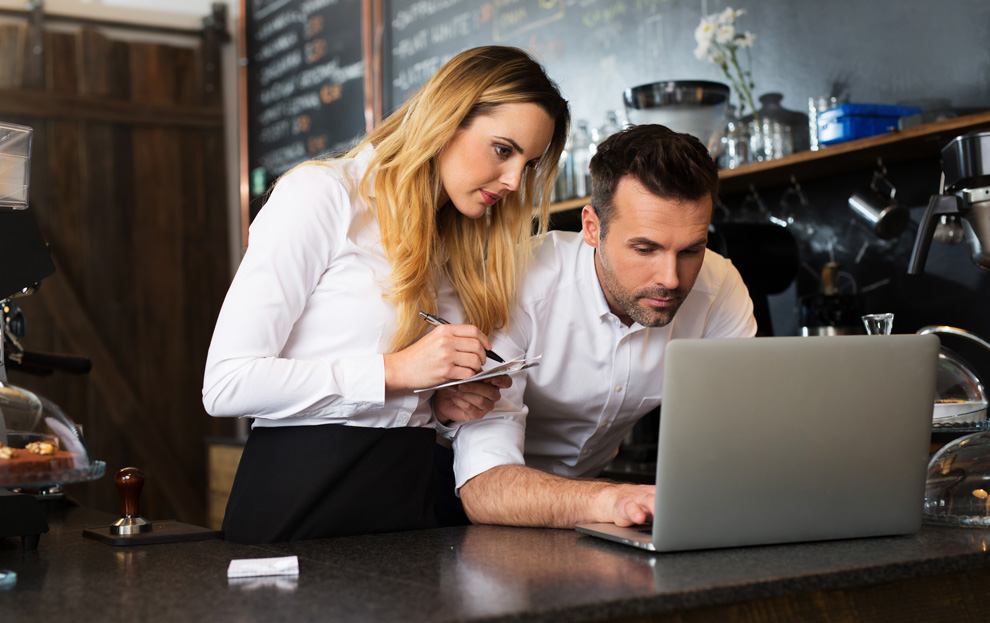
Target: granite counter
487, 573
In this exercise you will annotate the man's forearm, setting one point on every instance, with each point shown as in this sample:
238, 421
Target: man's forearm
516, 495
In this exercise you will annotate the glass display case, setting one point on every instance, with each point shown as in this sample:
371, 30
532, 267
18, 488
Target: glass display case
39, 445
15, 164
960, 396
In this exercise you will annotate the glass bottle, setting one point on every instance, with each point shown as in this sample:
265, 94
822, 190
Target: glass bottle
563, 188
734, 143
611, 125
580, 158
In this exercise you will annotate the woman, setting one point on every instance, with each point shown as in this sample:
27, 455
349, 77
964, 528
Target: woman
320, 339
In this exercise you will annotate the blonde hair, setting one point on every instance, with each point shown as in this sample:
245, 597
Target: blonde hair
483, 258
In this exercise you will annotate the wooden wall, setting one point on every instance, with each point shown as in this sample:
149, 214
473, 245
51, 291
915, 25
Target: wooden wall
128, 184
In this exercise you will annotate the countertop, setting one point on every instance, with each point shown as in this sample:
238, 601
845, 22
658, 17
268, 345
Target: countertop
488, 573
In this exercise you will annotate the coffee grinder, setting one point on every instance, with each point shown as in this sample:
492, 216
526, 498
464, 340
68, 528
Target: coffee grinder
961, 209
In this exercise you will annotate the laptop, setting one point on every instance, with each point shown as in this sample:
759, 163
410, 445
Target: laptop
786, 439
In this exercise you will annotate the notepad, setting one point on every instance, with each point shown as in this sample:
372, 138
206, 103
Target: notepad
509, 367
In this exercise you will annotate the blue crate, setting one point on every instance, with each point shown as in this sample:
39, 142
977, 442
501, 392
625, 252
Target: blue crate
852, 121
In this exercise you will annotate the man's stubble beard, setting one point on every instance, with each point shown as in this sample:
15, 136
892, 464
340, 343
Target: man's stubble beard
629, 302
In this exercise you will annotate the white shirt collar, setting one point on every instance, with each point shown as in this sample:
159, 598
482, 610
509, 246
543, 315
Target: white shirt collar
363, 158
590, 278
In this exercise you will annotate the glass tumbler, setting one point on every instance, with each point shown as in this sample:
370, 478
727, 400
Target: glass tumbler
878, 324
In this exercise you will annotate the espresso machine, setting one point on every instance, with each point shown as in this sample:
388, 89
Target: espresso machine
961, 209
26, 418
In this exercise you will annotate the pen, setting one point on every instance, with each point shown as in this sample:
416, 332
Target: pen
436, 321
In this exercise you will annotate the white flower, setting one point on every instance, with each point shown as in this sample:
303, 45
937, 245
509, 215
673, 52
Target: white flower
725, 33
705, 31
701, 52
719, 42
745, 40
728, 15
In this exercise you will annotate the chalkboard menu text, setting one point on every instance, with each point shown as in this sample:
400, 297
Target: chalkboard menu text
306, 77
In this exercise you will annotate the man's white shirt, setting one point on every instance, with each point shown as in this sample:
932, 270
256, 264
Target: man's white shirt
597, 377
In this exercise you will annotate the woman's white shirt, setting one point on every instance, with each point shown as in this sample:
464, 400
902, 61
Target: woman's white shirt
301, 334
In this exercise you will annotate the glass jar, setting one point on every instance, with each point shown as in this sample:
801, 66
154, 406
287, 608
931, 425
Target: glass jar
780, 131
735, 142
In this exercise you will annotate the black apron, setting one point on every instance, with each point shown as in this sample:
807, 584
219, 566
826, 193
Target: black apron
308, 482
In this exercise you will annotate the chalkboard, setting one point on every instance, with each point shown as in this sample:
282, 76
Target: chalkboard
886, 51
305, 88
594, 49
306, 69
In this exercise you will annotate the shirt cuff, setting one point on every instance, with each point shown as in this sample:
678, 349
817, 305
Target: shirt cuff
361, 378
446, 431
486, 443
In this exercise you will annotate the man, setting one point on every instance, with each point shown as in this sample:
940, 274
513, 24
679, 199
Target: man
600, 307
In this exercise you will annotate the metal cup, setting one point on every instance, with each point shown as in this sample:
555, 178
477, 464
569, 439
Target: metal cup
876, 203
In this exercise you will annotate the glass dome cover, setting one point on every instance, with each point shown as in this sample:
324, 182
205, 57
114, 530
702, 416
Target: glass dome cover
960, 397
39, 445
957, 490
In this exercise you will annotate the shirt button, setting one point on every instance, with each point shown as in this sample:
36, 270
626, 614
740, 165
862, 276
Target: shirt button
618, 388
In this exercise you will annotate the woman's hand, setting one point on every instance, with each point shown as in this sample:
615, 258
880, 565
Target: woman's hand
469, 401
451, 352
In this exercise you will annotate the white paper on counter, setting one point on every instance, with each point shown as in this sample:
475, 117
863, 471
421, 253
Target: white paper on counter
252, 567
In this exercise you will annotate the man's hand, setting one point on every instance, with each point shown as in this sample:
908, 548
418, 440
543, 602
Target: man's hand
469, 401
630, 504
516, 495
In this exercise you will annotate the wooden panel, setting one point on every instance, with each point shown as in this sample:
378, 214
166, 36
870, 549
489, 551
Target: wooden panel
159, 294
223, 461
11, 50
189, 85
96, 74
118, 62
61, 62
152, 78
40, 104
128, 186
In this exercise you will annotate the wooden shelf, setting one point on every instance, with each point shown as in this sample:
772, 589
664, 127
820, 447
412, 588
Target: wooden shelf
920, 141
578, 202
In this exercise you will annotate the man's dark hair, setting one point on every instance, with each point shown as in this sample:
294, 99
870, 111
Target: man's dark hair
670, 165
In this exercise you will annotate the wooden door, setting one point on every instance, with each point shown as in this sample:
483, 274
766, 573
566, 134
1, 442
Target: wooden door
128, 185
